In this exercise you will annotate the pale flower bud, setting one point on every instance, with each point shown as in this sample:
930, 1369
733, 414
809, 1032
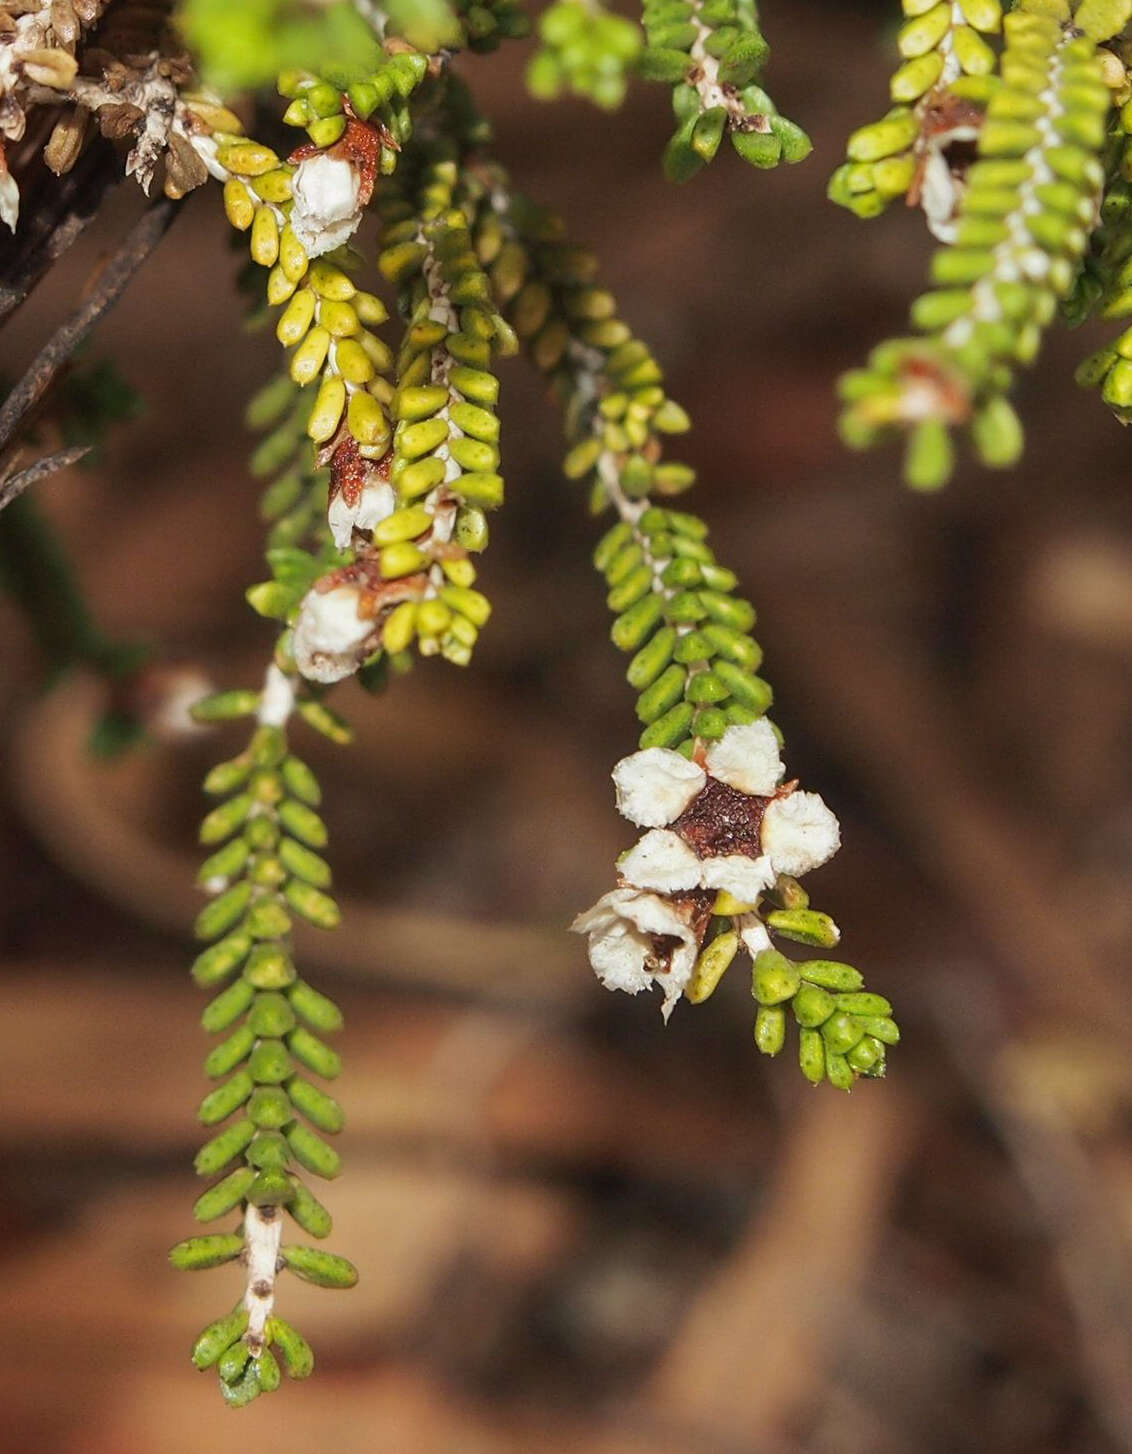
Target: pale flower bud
375, 503
327, 210
330, 635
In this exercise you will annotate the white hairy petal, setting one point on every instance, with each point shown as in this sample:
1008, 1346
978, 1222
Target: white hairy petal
376, 503
327, 208
737, 874
623, 928
746, 758
660, 860
654, 786
799, 833
329, 634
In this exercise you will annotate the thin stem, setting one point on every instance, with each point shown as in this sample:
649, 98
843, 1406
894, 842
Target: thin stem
13, 485
141, 240
54, 222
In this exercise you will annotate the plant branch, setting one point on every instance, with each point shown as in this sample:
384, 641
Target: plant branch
13, 485
55, 222
142, 238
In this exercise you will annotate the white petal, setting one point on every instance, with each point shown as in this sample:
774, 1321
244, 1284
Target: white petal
327, 211
660, 860
206, 148
655, 786
753, 933
329, 634
675, 982
9, 199
377, 502
737, 874
799, 833
940, 190
746, 758
617, 955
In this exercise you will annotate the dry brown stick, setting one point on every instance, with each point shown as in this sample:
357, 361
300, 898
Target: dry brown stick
55, 220
67, 798
13, 485
750, 1352
142, 238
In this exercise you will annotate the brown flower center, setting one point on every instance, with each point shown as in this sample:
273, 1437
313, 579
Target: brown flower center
722, 820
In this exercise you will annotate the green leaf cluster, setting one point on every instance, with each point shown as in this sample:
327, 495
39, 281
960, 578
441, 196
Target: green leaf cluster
946, 59
379, 93
264, 871
712, 53
843, 1031
445, 464
1023, 229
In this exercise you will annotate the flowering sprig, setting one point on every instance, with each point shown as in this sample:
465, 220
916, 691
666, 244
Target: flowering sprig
920, 146
264, 870
694, 662
726, 841
1024, 225
712, 53
445, 468
722, 832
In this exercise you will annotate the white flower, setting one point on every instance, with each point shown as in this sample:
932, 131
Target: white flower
375, 503
630, 948
642, 933
654, 786
327, 210
747, 758
799, 833
661, 860
330, 634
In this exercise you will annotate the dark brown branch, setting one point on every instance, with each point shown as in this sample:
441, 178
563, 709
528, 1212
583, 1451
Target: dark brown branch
143, 237
56, 216
12, 486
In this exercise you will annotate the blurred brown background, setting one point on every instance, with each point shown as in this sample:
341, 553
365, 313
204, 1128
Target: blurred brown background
579, 1230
